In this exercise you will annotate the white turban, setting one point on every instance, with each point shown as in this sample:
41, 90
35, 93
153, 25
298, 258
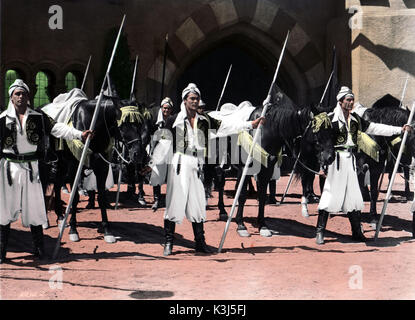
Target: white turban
18, 84
344, 91
191, 88
168, 101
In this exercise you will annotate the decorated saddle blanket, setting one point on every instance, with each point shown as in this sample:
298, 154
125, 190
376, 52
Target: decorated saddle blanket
62, 107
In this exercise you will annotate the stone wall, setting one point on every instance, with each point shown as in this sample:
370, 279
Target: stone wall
383, 50
196, 26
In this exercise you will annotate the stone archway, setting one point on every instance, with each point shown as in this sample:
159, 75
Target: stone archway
264, 24
252, 71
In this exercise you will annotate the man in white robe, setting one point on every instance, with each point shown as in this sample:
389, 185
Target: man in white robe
22, 133
159, 173
189, 132
341, 192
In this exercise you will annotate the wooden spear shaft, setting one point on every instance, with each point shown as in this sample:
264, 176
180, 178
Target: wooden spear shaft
86, 146
134, 74
299, 154
164, 66
248, 160
117, 198
86, 73
395, 169
224, 86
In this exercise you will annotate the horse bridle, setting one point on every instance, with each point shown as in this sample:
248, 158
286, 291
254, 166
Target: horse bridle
126, 143
299, 154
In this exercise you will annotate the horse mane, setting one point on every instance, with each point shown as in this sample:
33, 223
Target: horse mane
391, 116
387, 101
285, 120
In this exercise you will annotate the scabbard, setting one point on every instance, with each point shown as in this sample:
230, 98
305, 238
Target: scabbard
178, 164
9, 175
338, 161
30, 171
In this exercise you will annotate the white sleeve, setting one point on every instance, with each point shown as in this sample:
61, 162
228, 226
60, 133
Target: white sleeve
61, 130
379, 129
228, 128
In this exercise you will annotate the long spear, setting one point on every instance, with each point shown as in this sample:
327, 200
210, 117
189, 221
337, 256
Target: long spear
133, 83
84, 151
299, 153
223, 89
400, 105
404, 90
123, 148
395, 169
86, 73
248, 160
164, 66
117, 198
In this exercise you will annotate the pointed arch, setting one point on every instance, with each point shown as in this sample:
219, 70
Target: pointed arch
263, 22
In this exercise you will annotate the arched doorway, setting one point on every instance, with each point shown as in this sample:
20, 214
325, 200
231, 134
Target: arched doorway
250, 78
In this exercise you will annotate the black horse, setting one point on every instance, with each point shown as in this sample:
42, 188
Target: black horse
284, 123
385, 111
291, 136
105, 132
143, 127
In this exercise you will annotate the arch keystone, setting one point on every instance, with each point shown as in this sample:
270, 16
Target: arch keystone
189, 33
264, 14
298, 40
224, 11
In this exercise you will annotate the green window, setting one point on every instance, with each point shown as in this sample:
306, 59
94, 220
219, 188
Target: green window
11, 76
70, 81
41, 96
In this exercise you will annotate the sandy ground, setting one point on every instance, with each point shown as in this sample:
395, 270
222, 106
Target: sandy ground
288, 265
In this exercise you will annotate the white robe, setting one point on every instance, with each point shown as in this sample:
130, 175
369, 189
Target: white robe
341, 192
24, 196
185, 195
159, 173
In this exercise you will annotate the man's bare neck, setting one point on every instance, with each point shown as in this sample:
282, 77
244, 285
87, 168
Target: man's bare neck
20, 109
191, 114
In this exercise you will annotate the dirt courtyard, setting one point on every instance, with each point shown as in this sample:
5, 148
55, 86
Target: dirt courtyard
288, 265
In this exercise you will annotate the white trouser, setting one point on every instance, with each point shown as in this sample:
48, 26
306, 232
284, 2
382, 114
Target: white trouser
341, 192
185, 193
158, 175
23, 196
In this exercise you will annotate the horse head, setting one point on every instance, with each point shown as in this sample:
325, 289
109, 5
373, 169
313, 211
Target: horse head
131, 126
319, 136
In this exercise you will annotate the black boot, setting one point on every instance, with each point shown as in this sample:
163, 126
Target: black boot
157, 197
4, 238
355, 218
37, 236
91, 200
169, 227
321, 226
199, 234
131, 190
272, 192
